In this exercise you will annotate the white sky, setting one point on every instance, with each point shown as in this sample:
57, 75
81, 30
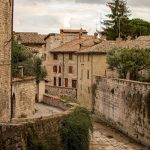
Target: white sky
46, 16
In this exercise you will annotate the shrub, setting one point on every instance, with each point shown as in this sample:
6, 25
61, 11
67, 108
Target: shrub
75, 131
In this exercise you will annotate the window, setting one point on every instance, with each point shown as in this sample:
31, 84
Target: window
59, 69
66, 82
89, 90
55, 69
70, 57
70, 69
59, 82
55, 56
74, 83
88, 74
54, 81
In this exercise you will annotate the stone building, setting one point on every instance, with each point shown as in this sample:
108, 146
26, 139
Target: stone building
61, 62
92, 62
54, 40
5, 59
32, 40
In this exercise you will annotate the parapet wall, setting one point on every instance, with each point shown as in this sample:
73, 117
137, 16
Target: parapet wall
69, 93
125, 105
55, 102
15, 136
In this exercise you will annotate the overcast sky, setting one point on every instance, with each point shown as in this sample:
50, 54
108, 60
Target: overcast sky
47, 16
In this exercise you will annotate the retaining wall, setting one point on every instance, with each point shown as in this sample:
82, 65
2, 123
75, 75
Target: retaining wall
125, 105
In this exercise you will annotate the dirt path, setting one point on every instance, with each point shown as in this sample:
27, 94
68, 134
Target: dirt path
106, 138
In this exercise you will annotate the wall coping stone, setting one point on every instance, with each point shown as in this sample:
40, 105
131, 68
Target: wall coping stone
22, 79
60, 87
124, 80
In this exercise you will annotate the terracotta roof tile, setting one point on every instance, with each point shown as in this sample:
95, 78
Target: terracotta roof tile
75, 45
106, 46
30, 37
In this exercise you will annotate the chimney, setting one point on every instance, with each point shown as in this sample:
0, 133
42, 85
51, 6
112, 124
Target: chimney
80, 33
21, 71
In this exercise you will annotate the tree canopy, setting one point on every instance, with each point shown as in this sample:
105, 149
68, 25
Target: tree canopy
116, 19
130, 61
118, 23
32, 65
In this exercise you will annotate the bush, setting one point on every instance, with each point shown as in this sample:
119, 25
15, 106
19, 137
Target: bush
75, 131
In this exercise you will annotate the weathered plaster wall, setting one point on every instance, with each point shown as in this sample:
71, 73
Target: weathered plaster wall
63, 62
125, 105
62, 92
23, 96
5, 59
94, 65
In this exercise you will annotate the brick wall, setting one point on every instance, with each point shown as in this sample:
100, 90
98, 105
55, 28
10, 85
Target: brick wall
5, 59
125, 105
23, 96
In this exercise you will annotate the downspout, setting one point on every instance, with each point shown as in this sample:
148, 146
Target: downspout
12, 27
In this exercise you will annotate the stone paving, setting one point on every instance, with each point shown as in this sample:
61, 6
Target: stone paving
44, 110
106, 138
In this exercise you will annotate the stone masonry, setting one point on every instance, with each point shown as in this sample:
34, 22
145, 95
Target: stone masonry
5, 59
23, 97
125, 105
70, 93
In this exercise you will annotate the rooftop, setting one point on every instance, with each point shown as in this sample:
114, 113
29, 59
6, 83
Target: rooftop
74, 31
30, 37
76, 45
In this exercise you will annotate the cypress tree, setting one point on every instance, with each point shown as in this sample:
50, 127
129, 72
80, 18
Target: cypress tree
117, 22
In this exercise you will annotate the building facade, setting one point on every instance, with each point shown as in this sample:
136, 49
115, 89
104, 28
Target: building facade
61, 63
5, 59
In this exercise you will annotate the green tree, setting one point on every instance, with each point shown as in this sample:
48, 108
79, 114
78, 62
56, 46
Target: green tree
118, 18
32, 65
138, 27
129, 61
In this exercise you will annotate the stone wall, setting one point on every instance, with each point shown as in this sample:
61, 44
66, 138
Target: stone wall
55, 102
69, 93
14, 136
125, 105
5, 59
23, 96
